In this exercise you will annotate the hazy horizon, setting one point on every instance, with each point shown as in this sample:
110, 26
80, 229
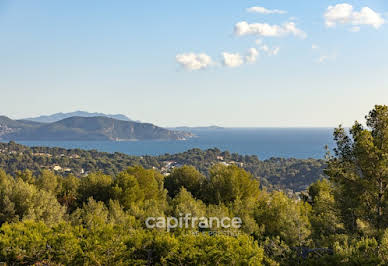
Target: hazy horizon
191, 126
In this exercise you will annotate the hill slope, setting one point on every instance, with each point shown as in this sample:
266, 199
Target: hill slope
275, 173
85, 128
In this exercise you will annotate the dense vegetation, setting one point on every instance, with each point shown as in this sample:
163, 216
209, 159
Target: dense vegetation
99, 219
275, 173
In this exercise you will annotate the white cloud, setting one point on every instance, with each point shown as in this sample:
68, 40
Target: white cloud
314, 46
270, 51
252, 55
192, 61
232, 60
263, 10
264, 48
275, 51
266, 30
345, 14
325, 58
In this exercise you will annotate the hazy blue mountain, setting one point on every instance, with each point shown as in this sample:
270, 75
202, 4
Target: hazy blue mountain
85, 128
59, 116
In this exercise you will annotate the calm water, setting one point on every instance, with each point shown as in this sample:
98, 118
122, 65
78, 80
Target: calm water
263, 142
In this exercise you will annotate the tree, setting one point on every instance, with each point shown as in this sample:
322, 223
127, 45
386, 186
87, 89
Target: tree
46, 208
229, 183
126, 190
26, 176
184, 203
95, 185
24, 243
29, 242
324, 217
150, 182
68, 194
92, 214
359, 168
186, 176
284, 217
48, 181
159, 248
20, 200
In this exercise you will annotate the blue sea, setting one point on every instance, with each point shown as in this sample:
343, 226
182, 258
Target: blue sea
263, 142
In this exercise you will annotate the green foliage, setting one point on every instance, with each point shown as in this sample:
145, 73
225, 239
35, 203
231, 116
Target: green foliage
325, 214
184, 203
68, 193
140, 192
31, 242
188, 177
96, 185
188, 249
284, 217
150, 182
34, 242
229, 183
126, 190
20, 200
360, 171
48, 181
357, 252
278, 251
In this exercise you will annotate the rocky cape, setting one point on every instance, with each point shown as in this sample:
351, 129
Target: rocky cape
85, 129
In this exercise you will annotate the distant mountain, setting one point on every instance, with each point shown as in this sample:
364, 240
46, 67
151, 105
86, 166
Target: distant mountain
60, 116
86, 128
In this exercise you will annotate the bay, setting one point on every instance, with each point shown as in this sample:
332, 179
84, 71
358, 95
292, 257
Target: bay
263, 142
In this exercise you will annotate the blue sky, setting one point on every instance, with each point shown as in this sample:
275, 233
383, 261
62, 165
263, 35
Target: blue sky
121, 57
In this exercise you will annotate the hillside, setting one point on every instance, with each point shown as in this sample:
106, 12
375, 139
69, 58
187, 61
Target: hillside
276, 173
85, 128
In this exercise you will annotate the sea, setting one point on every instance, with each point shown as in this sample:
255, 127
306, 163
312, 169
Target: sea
301, 143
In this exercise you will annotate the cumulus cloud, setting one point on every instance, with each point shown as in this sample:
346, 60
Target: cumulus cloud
192, 61
270, 51
264, 48
266, 30
314, 46
263, 10
252, 55
325, 58
275, 51
232, 60
345, 14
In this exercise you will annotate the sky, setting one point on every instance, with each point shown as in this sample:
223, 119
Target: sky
229, 63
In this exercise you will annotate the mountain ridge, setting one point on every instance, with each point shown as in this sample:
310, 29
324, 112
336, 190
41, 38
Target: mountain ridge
60, 116
86, 128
